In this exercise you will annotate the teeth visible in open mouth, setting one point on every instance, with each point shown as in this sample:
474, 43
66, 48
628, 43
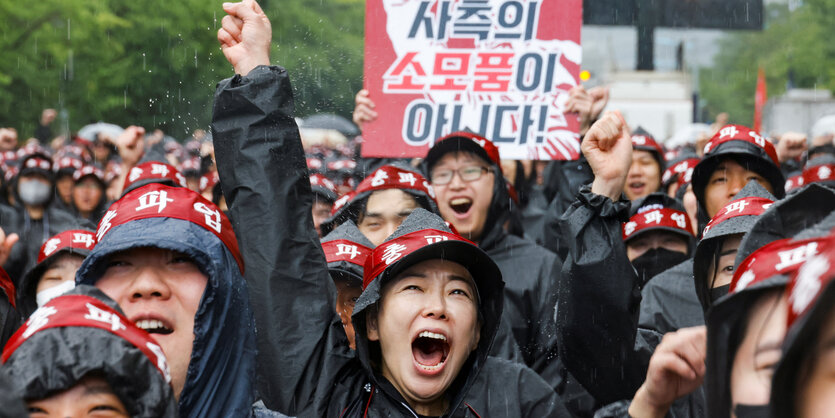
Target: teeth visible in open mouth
428, 334
151, 324
431, 368
460, 201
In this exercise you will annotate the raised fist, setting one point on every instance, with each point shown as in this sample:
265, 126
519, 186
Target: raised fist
608, 148
131, 145
791, 145
245, 36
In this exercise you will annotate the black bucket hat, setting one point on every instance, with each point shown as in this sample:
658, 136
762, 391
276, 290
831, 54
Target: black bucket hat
745, 146
737, 217
655, 212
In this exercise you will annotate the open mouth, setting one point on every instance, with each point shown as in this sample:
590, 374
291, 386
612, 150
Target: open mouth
637, 185
461, 205
154, 326
430, 351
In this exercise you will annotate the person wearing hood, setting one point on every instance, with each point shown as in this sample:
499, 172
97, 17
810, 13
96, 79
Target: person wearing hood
346, 251
38, 219
599, 290
675, 175
170, 259
324, 194
58, 261
65, 167
432, 300
79, 354
733, 157
465, 171
802, 386
381, 201
88, 194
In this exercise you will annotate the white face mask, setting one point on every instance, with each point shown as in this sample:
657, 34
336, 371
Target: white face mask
34, 192
46, 295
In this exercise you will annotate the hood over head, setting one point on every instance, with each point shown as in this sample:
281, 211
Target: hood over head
503, 207
85, 333
221, 371
346, 250
788, 217
811, 296
746, 147
767, 269
389, 176
677, 169
424, 236
74, 241
737, 217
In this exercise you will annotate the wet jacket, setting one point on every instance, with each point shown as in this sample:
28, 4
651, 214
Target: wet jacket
9, 317
599, 297
219, 378
304, 366
49, 360
563, 180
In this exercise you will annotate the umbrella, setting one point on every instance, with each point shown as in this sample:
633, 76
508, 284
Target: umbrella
90, 131
331, 121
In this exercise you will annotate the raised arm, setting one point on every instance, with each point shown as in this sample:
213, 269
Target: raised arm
599, 295
264, 179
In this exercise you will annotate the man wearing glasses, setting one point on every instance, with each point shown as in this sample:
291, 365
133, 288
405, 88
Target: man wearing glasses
465, 172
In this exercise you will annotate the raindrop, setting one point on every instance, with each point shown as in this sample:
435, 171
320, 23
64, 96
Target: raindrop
143, 61
68, 29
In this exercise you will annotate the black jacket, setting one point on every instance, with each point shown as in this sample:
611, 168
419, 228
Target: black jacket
304, 366
599, 298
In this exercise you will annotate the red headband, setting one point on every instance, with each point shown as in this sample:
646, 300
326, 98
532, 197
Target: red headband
818, 173
389, 252
86, 311
156, 171
345, 250
741, 133
77, 239
38, 162
784, 256
7, 285
657, 218
809, 281
322, 181
160, 201
387, 177
679, 168
644, 141
88, 170
748, 206
487, 145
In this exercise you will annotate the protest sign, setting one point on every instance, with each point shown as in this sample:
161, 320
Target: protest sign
500, 68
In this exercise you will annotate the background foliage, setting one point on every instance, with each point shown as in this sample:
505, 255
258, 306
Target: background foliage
156, 62
794, 46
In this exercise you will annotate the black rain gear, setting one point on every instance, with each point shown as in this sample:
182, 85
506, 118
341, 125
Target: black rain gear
303, 367
52, 360
219, 378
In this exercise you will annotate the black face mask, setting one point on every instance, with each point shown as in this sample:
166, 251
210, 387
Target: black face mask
751, 411
718, 292
655, 261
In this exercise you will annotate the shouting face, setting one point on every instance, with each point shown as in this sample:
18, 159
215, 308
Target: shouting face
427, 326
465, 200
644, 176
160, 291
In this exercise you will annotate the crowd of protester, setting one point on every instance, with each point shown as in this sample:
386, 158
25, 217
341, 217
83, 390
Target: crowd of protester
251, 273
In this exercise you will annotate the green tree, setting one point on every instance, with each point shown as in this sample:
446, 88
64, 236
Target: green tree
156, 62
795, 44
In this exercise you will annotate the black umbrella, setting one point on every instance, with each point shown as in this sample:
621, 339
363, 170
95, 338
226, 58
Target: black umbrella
331, 121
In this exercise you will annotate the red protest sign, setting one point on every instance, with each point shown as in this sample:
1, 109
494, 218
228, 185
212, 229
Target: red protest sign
502, 68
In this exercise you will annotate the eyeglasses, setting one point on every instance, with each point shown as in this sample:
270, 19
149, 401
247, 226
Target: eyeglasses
468, 174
